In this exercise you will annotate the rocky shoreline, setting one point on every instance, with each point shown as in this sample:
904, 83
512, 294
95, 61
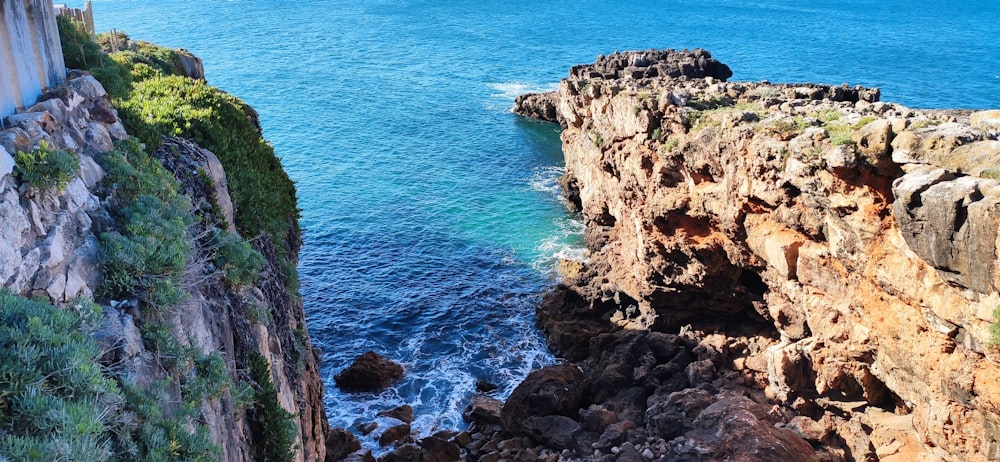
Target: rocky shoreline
775, 272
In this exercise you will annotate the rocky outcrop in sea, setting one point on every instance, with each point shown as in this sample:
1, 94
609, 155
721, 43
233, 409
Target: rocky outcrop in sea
775, 272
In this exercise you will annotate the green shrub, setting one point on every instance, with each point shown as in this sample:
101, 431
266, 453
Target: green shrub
701, 103
147, 255
657, 132
992, 173
55, 401
995, 328
157, 433
788, 128
273, 427
45, 167
864, 121
79, 51
153, 101
258, 313
240, 263
828, 115
219, 122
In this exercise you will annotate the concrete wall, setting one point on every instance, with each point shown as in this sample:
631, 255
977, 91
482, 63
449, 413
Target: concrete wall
31, 58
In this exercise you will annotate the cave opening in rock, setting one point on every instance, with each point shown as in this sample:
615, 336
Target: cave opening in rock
753, 282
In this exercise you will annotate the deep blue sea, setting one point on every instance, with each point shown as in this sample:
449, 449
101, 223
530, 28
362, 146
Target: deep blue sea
431, 212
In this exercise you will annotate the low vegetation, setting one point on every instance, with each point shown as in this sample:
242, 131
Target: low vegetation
55, 401
45, 167
269, 418
150, 249
147, 255
995, 329
58, 403
787, 128
842, 133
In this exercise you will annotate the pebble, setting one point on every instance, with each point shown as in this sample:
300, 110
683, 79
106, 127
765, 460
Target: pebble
647, 454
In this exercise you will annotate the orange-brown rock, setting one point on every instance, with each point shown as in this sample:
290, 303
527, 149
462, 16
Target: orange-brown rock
865, 231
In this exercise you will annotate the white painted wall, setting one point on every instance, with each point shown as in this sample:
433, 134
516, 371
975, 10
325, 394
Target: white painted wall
30, 55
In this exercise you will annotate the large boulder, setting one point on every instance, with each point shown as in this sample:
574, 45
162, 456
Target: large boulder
434, 449
738, 429
340, 443
483, 410
370, 372
554, 431
553, 390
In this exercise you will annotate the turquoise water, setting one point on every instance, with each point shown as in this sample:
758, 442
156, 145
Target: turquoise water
431, 213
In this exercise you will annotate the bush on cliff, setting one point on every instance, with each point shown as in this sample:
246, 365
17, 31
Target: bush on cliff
269, 421
153, 102
179, 106
55, 401
79, 52
45, 167
147, 255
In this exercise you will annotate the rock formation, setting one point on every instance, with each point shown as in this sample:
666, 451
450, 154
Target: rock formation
49, 249
827, 261
369, 372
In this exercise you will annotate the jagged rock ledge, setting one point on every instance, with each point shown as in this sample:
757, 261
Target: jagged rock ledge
818, 261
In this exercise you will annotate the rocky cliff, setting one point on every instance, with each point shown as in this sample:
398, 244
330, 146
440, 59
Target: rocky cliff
835, 251
228, 356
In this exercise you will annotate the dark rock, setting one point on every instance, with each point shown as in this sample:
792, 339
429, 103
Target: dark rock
614, 435
540, 106
674, 415
402, 413
554, 431
360, 456
191, 64
628, 404
436, 449
462, 439
664, 346
340, 443
483, 410
394, 434
370, 372
595, 418
366, 428
102, 111
737, 428
629, 455
527, 455
696, 63
404, 453
483, 386
700, 372
446, 435
553, 390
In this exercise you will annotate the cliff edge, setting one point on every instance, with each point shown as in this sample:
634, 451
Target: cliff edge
149, 297
837, 252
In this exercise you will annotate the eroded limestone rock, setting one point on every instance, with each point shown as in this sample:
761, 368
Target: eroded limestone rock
863, 231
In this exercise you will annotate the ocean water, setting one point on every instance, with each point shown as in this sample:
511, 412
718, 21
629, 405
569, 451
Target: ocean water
432, 215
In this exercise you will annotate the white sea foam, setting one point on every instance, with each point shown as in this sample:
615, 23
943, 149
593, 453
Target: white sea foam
510, 90
546, 179
567, 241
502, 98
